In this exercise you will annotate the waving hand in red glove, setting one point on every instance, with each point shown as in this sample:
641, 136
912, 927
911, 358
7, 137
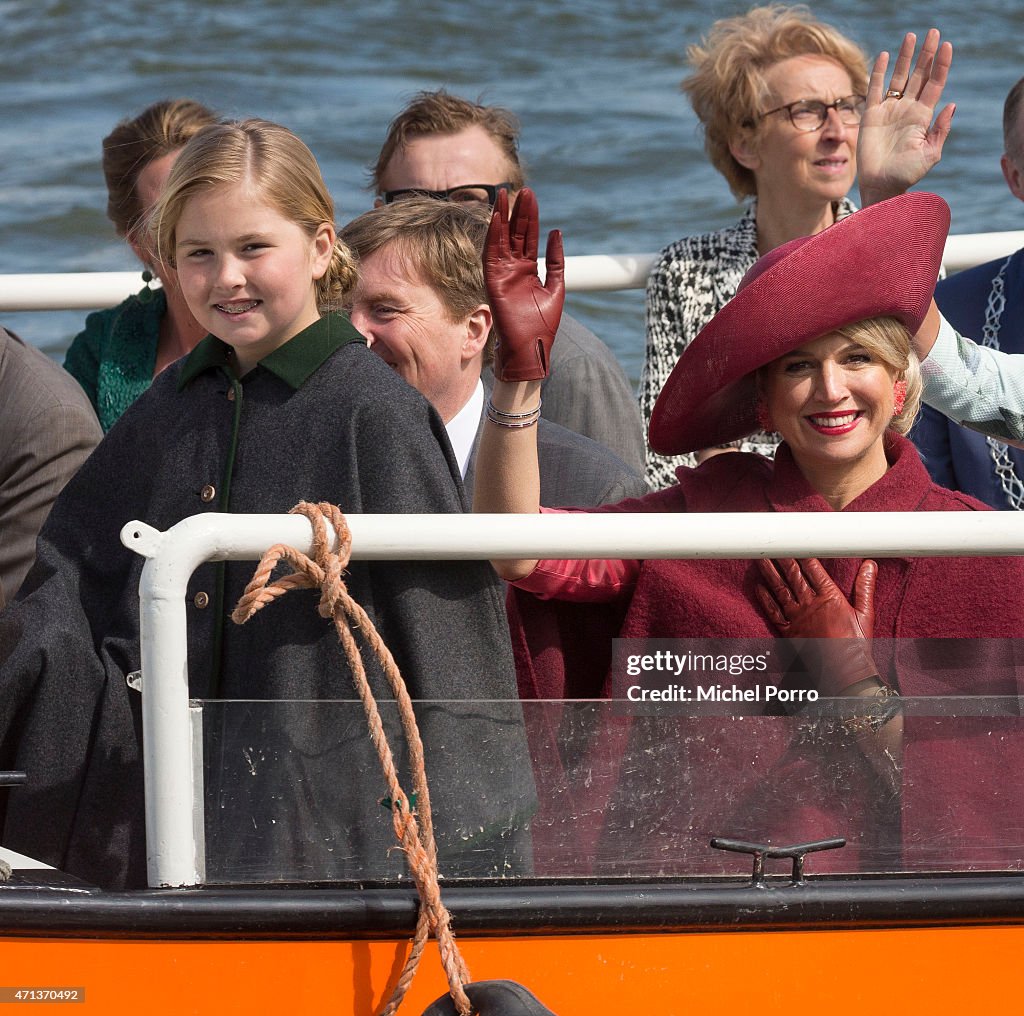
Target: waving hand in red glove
526, 311
802, 601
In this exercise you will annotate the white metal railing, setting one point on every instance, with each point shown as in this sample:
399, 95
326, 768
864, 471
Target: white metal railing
583, 273
173, 851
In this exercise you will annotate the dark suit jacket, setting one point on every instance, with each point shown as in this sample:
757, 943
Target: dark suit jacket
956, 457
587, 391
575, 472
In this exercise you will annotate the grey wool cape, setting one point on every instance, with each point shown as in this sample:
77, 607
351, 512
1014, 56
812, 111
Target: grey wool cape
320, 419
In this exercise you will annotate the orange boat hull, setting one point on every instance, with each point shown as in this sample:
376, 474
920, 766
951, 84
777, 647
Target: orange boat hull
909, 970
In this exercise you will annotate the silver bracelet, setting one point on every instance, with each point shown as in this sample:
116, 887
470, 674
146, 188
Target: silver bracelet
492, 409
512, 421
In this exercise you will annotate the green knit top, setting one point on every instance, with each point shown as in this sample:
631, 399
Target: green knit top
113, 359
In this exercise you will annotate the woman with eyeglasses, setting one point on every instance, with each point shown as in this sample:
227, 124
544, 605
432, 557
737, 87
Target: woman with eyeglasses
780, 96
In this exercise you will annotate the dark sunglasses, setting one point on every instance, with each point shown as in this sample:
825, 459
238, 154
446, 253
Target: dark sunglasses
486, 193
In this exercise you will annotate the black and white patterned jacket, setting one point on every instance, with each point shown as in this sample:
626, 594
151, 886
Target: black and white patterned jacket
692, 280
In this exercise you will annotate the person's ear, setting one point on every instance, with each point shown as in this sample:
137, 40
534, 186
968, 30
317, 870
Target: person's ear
1014, 176
378, 202
478, 328
138, 251
743, 148
323, 248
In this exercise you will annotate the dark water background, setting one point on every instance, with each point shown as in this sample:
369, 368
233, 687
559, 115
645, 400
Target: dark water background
610, 143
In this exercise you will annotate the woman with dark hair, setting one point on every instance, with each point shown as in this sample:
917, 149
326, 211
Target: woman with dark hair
122, 349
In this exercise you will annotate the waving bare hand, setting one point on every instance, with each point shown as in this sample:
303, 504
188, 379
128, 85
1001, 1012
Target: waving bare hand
899, 142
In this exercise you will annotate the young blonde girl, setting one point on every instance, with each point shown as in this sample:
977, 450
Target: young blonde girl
282, 402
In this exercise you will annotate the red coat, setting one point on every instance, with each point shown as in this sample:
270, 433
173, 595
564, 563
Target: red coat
663, 783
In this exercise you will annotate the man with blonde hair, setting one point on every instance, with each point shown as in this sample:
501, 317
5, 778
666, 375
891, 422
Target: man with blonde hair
446, 147
422, 305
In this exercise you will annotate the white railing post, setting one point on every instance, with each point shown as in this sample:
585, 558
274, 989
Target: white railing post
167, 743
173, 852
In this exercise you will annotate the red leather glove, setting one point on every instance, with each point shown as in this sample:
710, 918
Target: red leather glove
526, 311
802, 601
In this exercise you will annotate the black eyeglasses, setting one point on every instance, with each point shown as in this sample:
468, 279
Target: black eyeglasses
811, 114
486, 193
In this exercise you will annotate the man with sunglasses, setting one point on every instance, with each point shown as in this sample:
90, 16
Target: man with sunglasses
442, 146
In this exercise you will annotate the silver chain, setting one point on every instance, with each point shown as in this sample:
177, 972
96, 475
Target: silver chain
1001, 462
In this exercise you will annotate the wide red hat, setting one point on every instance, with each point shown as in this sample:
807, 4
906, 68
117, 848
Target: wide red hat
879, 262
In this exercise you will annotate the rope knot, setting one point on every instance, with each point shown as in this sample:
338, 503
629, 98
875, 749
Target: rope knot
324, 570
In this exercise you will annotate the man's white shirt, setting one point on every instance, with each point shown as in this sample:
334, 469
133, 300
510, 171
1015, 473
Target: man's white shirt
462, 427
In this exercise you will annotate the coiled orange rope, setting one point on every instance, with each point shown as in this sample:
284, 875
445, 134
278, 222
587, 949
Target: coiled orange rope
414, 829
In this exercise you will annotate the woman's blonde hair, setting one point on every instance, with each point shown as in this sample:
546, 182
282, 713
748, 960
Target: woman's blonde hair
889, 340
727, 88
279, 167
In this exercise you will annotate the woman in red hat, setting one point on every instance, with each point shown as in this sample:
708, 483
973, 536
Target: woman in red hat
816, 346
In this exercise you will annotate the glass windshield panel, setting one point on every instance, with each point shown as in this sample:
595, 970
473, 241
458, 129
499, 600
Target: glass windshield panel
637, 785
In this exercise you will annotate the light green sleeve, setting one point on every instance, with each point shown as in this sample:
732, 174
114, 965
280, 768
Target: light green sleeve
978, 387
